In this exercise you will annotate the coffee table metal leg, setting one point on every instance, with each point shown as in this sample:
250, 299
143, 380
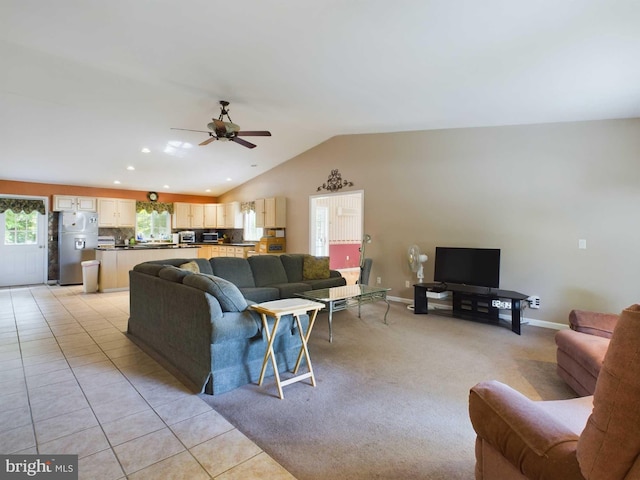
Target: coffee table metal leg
385, 313
330, 320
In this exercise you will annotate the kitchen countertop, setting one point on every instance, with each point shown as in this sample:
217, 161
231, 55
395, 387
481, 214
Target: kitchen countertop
225, 244
158, 246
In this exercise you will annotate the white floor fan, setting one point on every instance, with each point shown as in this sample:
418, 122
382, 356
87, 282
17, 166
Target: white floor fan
416, 259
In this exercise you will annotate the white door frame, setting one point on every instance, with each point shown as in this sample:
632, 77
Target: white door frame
312, 215
43, 229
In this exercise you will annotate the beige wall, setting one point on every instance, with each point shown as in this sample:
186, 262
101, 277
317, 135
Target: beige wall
530, 190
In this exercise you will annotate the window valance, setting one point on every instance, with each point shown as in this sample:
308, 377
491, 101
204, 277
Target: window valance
248, 207
17, 205
150, 207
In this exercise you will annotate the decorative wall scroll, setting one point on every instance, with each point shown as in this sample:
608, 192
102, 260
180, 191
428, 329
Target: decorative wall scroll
334, 182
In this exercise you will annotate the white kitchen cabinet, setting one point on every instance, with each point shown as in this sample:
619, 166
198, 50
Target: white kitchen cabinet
228, 215
205, 251
67, 203
220, 215
271, 212
210, 215
232, 215
188, 215
116, 212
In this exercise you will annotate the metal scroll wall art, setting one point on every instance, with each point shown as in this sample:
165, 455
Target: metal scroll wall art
334, 182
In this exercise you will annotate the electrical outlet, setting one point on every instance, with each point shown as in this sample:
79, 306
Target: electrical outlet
379, 280
407, 284
534, 301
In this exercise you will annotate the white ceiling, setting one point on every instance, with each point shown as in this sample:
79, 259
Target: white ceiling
86, 84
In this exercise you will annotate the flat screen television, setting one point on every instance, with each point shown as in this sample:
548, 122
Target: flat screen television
468, 266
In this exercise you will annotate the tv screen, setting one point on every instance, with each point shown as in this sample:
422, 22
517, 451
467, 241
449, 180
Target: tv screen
468, 266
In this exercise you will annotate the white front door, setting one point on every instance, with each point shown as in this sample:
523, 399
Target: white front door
23, 239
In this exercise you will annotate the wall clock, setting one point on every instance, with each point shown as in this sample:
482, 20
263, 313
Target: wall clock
152, 196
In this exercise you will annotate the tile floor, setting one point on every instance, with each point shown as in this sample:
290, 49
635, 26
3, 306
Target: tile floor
72, 382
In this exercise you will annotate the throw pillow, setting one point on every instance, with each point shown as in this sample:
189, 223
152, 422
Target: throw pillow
315, 268
191, 267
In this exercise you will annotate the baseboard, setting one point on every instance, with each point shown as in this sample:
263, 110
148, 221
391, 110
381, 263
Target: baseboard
503, 316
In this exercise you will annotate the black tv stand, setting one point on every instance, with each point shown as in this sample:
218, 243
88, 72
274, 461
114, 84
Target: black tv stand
473, 303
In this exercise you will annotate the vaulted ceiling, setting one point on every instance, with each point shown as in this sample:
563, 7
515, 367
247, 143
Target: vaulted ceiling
86, 85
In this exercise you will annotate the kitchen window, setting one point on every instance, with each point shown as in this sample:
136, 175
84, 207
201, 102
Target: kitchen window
153, 225
251, 232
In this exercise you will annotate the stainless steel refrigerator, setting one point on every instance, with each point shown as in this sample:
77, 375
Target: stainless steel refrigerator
77, 240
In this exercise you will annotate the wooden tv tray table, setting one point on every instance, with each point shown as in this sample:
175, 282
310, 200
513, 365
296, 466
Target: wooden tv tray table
277, 309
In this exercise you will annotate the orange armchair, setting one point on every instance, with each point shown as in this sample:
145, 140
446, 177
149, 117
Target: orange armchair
594, 437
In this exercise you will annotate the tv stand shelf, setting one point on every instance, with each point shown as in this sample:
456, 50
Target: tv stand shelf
473, 303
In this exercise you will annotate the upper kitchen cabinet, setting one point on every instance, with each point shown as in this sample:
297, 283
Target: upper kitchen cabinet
271, 212
210, 215
66, 203
188, 215
228, 215
116, 212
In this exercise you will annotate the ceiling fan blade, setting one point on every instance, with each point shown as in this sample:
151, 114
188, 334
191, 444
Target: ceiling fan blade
242, 142
208, 141
189, 130
256, 133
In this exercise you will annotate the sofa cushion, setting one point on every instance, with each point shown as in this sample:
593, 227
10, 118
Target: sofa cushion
267, 270
236, 325
289, 290
315, 268
236, 270
587, 350
190, 266
326, 283
610, 442
173, 274
292, 263
260, 294
230, 298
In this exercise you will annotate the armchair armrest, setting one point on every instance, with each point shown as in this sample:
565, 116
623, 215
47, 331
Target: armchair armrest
531, 439
593, 323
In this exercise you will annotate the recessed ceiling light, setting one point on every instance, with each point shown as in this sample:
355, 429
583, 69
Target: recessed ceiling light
145, 150
208, 190
165, 186
254, 165
228, 179
131, 167
117, 182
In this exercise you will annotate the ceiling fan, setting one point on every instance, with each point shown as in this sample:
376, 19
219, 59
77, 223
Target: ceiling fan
227, 130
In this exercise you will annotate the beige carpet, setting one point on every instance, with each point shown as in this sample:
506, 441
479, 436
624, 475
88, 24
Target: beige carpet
391, 400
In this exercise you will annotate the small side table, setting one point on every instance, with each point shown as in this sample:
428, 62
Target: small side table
276, 309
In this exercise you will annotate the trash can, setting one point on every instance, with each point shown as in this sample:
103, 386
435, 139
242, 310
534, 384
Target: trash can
90, 276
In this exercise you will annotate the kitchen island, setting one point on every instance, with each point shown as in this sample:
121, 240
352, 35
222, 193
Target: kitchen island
115, 262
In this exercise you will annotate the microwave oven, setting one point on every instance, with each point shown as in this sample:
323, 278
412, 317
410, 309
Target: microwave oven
187, 237
210, 237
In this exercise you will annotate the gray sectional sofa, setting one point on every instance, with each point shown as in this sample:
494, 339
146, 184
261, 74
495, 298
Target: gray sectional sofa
199, 323
262, 278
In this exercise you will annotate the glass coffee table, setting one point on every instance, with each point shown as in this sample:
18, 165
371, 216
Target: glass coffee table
341, 298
